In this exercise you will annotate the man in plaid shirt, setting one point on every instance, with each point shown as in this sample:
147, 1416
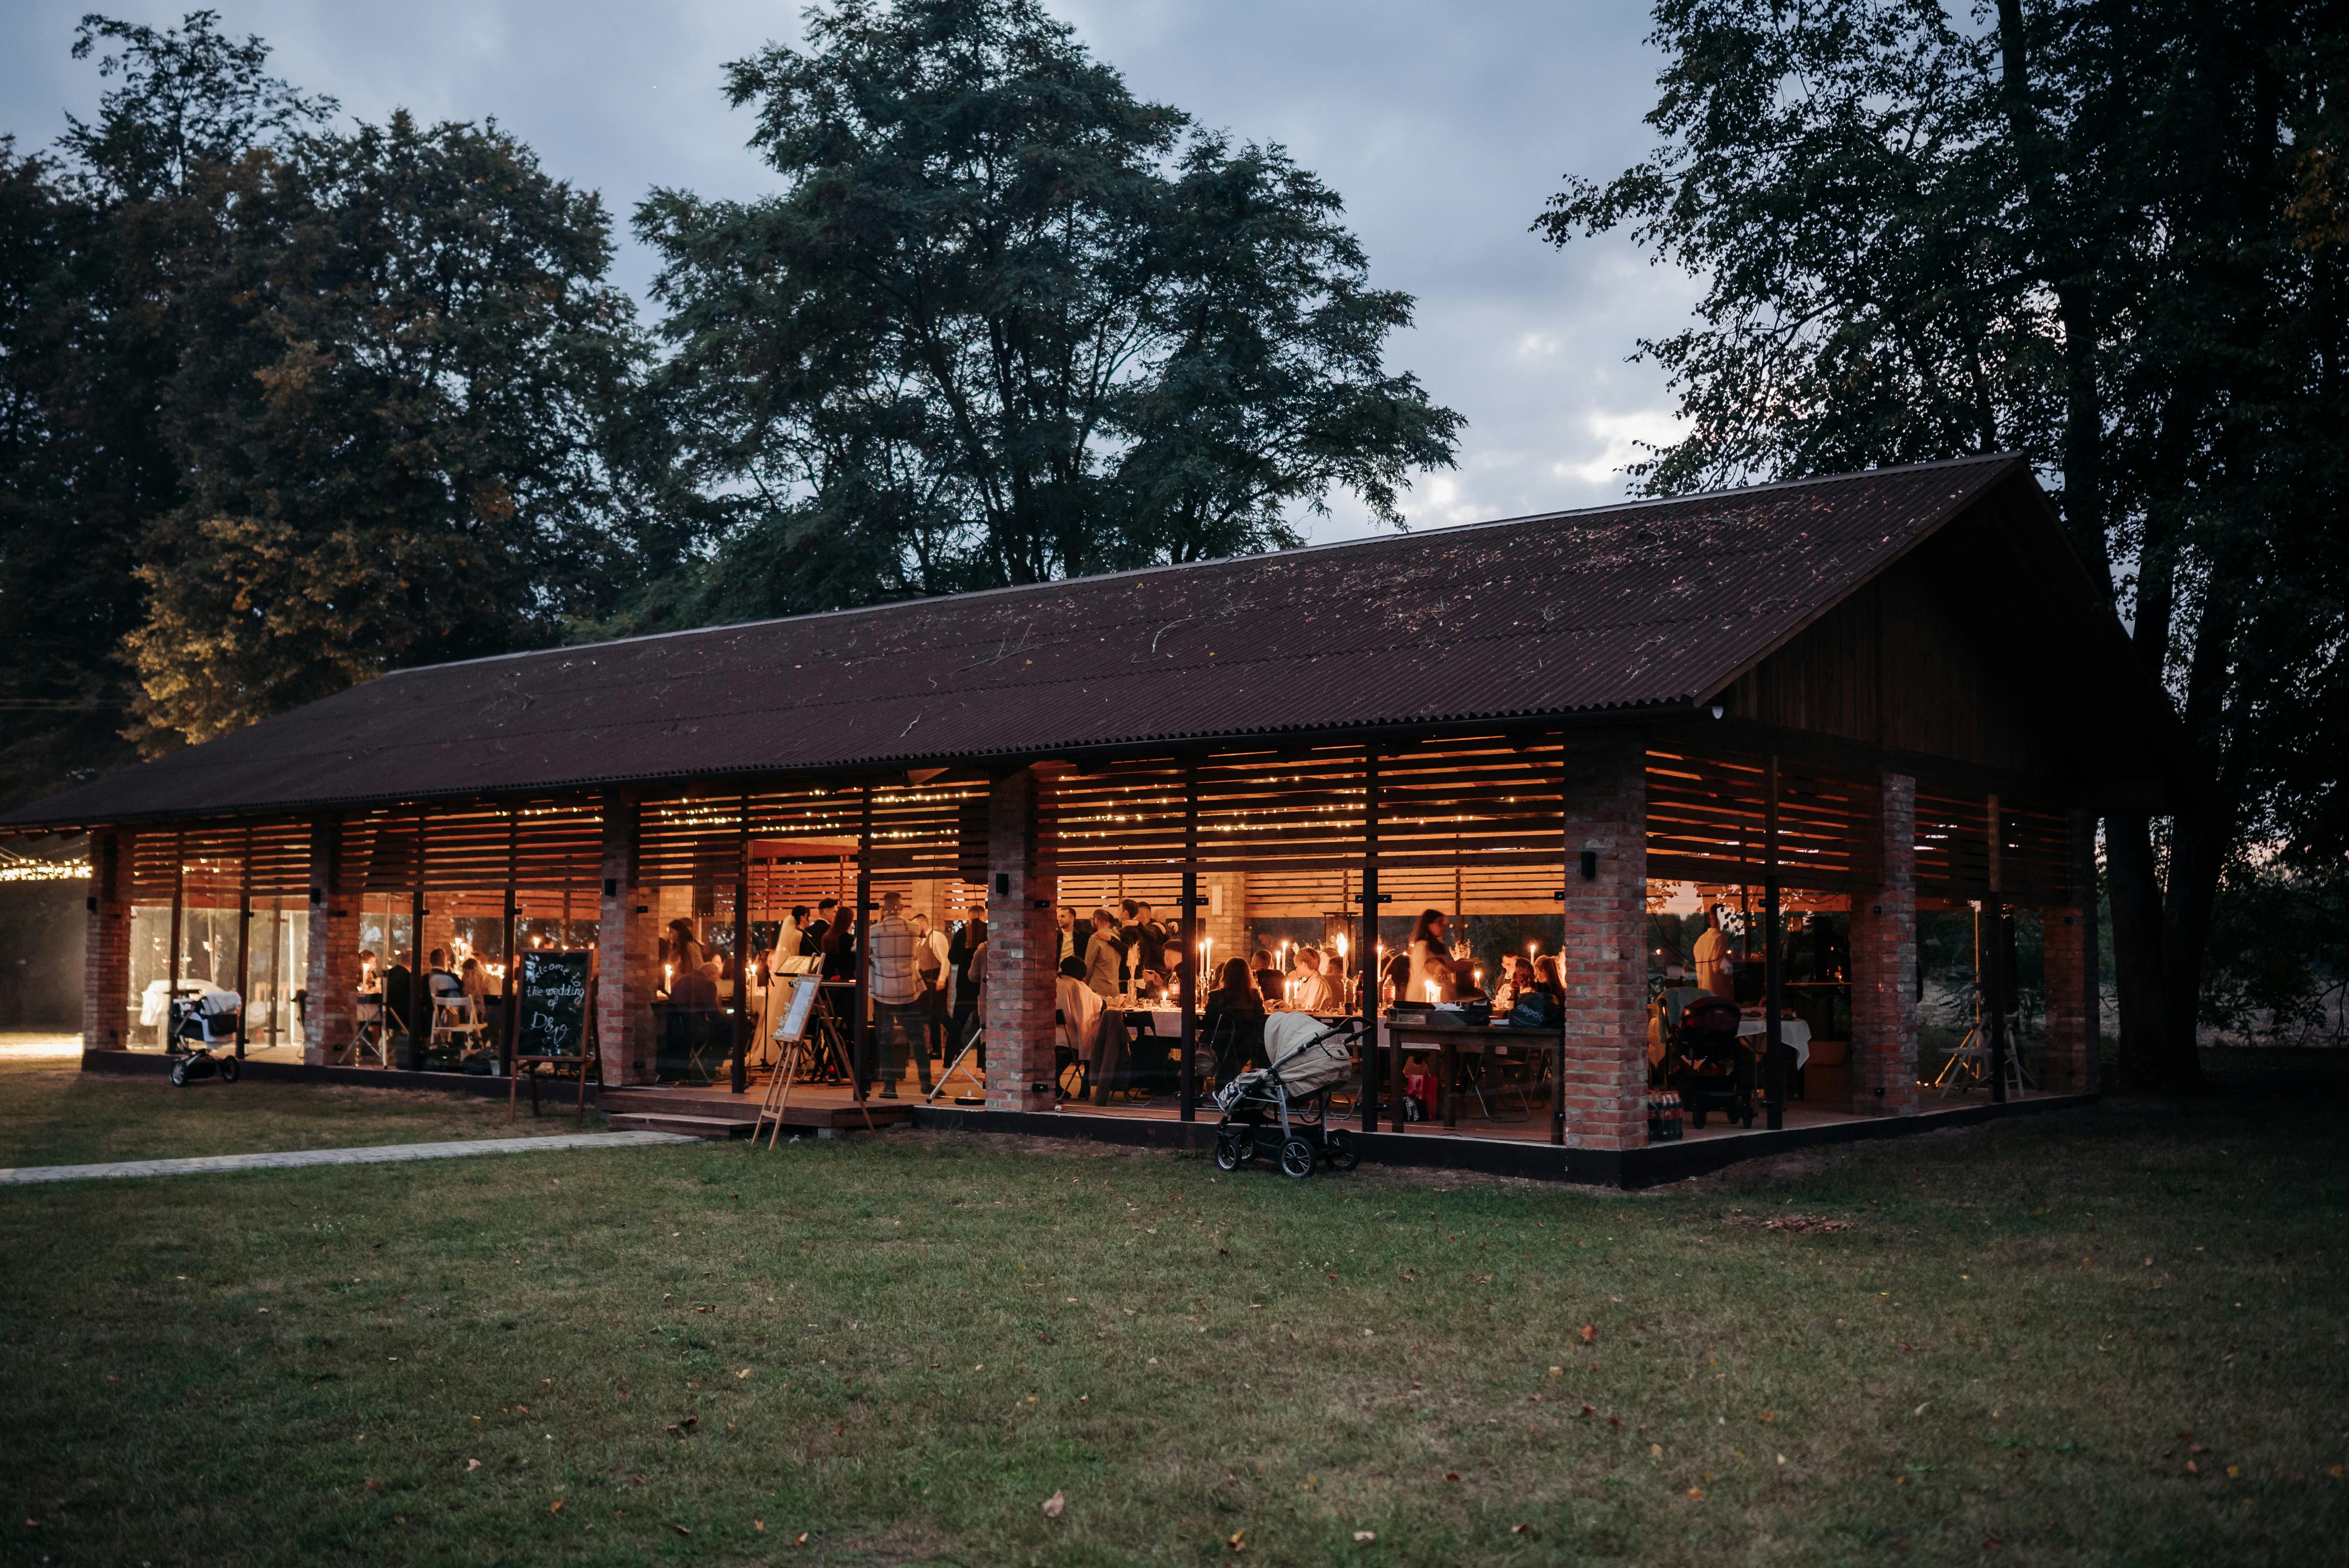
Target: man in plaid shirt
895, 985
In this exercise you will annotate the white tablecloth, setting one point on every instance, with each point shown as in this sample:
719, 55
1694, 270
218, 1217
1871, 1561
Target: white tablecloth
1794, 1031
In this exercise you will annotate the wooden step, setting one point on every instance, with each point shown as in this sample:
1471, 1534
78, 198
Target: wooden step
717, 1127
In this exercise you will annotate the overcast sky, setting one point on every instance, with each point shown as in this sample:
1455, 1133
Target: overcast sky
1444, 127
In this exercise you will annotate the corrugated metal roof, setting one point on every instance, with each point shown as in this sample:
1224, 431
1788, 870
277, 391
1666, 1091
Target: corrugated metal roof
1621, 607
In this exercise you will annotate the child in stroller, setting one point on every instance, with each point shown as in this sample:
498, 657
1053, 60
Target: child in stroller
1309, 1058
199, 1023
1708, 1066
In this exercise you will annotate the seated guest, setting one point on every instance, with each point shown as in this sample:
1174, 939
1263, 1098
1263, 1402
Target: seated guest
1161, 977
1333, 973
1104, 958
474, 981
1234, 999
1547, 976
698, 988
1396, 977
1316, 992
369, 979
399, 992
1268, 978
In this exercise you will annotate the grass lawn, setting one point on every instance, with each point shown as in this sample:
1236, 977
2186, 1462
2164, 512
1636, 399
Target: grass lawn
2114, 1335
52, 1113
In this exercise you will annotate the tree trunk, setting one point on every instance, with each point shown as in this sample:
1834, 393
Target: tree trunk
2198, 850
2136, 890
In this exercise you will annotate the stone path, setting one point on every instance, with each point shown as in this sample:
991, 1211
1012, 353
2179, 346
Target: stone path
26, 1175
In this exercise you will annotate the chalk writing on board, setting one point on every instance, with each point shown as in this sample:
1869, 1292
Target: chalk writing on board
554, 1002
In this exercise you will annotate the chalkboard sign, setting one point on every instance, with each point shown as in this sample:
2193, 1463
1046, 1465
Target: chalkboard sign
554, 1002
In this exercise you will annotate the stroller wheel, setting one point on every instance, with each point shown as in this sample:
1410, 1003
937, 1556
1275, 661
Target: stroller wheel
1234, 1148
1339, 1147
1297, 1158
180, 1073
228, 1070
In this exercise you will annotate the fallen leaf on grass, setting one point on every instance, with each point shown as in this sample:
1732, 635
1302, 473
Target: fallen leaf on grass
682, 1428
1521, 1530
555, 1507
2193, 1468
760, 1525
1696, 1494
1655, 1451
374, 1485
680, 1528
1769, 1414
1590, 1334
472, 1464
1054, 1504
1235, 1543
742, 1374
1558, 1371
800, 1539
1364, 1537
1450, 1475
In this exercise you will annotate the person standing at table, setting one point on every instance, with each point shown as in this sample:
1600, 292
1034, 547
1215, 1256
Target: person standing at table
896, 985
1104, 957
1431, 976
930, 964
1066, 919
965, 966
1711, 958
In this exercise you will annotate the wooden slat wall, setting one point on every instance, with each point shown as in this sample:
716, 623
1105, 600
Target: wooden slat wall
2034, 855
1708, 821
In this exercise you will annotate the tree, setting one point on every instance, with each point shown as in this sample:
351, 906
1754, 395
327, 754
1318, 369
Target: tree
402, 358
1007, 322
280, 406
92, 246
2092, 232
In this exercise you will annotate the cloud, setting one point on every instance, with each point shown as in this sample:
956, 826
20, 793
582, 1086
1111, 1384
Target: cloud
1624, 439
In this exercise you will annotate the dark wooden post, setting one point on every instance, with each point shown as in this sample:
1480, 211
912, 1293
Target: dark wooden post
1189, 942
1996, 976
1774, 968
244, 938
508, 1022
860, 1031
740, 1079
179, 899
420, 979
1366, 950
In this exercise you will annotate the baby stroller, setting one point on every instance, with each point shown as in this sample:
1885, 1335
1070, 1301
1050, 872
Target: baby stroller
1290, 1097
1710, 1068
199, 1024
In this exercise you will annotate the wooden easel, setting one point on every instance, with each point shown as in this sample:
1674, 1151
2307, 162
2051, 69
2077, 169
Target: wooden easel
792, 1033
584, 1056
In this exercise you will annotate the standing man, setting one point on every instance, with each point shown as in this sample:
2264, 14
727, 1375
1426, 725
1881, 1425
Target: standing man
1711, 959
963, 965
930, 964
895, 983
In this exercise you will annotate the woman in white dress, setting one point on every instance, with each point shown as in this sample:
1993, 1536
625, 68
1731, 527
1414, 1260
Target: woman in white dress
1431, 960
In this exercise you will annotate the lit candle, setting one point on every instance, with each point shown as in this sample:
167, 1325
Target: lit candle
1431, 990
1342, 945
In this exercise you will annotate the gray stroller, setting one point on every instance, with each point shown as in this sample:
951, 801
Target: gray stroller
1290, 1098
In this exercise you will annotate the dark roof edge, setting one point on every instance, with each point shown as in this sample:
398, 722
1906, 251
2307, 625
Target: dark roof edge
1570, 719
1630, 503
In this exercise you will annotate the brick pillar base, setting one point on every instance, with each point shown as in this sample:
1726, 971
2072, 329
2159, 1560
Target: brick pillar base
1884, 968
330, 1017
1603, 957
106, 949
2069, 945
1018, 998
625, 958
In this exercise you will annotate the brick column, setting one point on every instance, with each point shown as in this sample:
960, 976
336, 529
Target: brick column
2069, 949
1604, 963
1017, 1000
625, 962
1884, 966
106, 947
1223, 918
330, 1017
